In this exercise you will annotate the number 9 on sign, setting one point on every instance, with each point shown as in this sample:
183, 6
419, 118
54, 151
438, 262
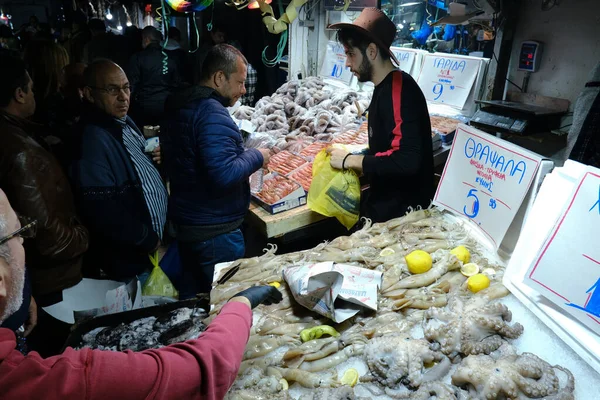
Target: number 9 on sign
438, 90
474, 209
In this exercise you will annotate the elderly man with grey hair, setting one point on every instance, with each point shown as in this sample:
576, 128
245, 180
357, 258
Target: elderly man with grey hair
17, 307
203, 368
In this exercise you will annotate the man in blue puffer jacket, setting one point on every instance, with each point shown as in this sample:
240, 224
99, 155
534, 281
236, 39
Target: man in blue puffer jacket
208, 169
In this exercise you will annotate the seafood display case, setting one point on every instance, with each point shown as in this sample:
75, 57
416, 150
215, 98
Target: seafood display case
445, 325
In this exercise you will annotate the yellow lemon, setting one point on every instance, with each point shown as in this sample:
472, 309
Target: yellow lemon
386, 252
469, 269
418, 261
478, 282
350, 377
284, 384
275, 284
462, 254
318, 331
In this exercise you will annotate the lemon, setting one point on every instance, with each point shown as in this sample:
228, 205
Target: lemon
462, 254
489, 271
386, 252
478, 282
284, 384
469, 269
418, 261
275, 284
318, 331
350, 377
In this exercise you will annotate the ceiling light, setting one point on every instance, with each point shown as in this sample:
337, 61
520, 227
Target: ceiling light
412, 3
254, 4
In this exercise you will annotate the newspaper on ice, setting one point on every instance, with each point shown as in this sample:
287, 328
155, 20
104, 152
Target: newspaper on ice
337, 291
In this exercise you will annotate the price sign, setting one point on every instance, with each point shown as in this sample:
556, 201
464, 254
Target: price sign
405, 57
448, 79
334, 65
486, 179
567, 270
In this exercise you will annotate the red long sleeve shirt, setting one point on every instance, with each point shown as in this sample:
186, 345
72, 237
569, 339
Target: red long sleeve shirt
204, 368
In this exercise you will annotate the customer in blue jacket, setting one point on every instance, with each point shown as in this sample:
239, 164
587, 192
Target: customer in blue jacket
119, 192
208, 168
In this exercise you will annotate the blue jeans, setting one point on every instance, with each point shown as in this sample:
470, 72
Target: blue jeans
198, 261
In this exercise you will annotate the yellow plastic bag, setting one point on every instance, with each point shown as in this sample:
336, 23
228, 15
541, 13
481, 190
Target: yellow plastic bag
334, 193
158, 284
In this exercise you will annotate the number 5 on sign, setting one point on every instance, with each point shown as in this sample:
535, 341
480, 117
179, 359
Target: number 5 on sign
475, 207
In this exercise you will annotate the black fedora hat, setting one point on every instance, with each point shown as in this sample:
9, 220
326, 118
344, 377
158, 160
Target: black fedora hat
374, 24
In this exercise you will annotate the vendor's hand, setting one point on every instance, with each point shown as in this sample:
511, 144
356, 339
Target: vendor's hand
157, 155
32, 319
337, 157
256, 295
266, 153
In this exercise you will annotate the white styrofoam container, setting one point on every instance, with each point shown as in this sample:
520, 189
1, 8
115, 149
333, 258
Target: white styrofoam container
554, 193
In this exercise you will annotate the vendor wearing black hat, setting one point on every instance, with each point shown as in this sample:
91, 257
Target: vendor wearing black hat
399, 164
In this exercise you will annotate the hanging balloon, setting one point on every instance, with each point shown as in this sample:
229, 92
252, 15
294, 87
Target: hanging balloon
189, 6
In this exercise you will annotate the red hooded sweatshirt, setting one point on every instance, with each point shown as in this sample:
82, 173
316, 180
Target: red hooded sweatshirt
204, 368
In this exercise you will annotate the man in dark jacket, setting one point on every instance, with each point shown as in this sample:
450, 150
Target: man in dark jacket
119, 192
39, 190
153, 76
208, 168
399, 164
38, 187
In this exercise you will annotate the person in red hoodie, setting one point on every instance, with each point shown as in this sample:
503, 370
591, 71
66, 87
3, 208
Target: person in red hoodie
204, 368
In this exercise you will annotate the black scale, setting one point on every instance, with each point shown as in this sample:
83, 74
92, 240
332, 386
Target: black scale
517, 118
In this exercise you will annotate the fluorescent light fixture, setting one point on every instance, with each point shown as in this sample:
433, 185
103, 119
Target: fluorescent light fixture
412, 3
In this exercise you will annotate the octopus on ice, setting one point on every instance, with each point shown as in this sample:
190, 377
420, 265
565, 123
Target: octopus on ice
473, 328
399, 360
514, 377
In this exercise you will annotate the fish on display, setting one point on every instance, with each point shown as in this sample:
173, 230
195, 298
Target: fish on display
148, 333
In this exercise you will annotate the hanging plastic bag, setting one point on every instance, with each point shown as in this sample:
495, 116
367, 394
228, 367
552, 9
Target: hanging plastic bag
334, 193
158, 284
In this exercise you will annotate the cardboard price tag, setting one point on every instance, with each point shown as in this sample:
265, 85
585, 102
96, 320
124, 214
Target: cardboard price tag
334, 65
448, 79
486, 180
405, 57
567, 269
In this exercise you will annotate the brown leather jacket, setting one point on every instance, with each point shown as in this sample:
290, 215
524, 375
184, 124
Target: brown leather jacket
38, 188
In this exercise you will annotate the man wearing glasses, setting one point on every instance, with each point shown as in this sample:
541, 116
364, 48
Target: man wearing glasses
39, 189
203, 368
119, 192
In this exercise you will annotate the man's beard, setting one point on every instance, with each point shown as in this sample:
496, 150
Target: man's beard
14, 295
365, 70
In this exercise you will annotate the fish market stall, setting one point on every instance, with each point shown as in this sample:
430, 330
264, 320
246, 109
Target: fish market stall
296, 123
444, 324
430, 334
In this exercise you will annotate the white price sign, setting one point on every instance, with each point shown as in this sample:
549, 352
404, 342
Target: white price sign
448, 79
567, 270
405, 57
334, 65
486, 179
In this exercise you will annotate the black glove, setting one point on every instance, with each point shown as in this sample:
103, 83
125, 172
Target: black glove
266, 295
